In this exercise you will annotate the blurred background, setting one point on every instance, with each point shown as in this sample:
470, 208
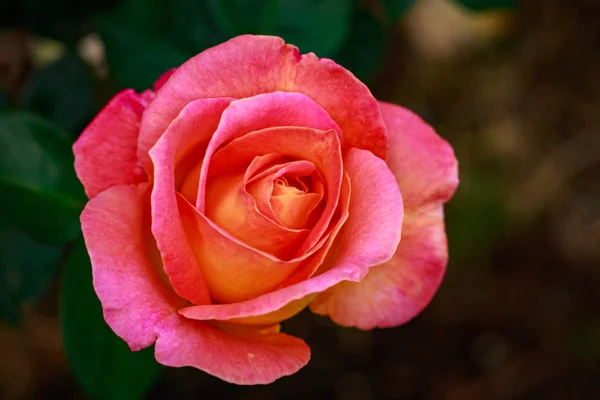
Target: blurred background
513, 85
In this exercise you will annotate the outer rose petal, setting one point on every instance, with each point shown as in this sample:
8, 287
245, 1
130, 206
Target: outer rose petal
396, 291
244, 358
190, 130
105, 153
141, 310
393, 293
369, 237
249, 65
423, 162
132, 296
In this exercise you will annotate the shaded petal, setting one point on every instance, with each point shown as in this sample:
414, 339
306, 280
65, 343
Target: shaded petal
141, 310
369, 237
240, 355
191, 130
249, 65
288, 205
105, 153
234, 210
322, 148
293, 210
272, 110
133, 297
261, 190
233, 271
396, 291
423, 162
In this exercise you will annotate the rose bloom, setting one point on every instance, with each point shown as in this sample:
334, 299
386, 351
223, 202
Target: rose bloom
250, 183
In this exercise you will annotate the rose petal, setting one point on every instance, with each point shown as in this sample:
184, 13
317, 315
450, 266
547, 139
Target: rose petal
234, 271
369, 237
294, 210
423, 162
261, 191
105, 153
393, 293
191, 130
232, 208
141, 310
272, 110
287, 205
319, 147
249, 65
396, 291
244, 356
133, 297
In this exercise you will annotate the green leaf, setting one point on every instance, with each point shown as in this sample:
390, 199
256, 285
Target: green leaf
477, 215
27, 269
193, 26
40, 192
101, 361
363, 51
395, 8
4, 101
319, 26
481, 5
135, 57
61, 92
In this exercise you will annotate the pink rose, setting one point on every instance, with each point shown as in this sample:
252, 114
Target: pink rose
250, 183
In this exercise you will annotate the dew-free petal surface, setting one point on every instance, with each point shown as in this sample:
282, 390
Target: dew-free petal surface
322, 148
249, 65
105, 153
133, 297
230, 206
240, 355
369, 237
272, 110
396, 291
191, 129
142, 310
233, 270
423, 162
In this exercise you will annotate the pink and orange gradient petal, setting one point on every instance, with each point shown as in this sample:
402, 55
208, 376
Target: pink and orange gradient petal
105, 153
133, 297
396, 291
236, 354
288, 203
233, 270
322, 148
231, 207
423, 162
142, 310
271, 110
369, 237
192, 128
249, 65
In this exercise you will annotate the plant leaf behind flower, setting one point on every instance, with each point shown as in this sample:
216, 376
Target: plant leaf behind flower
101, 361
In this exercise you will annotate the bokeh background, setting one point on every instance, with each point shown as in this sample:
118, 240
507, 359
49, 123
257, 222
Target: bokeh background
513, 85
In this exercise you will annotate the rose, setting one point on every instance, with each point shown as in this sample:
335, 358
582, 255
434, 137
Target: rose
249, 183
